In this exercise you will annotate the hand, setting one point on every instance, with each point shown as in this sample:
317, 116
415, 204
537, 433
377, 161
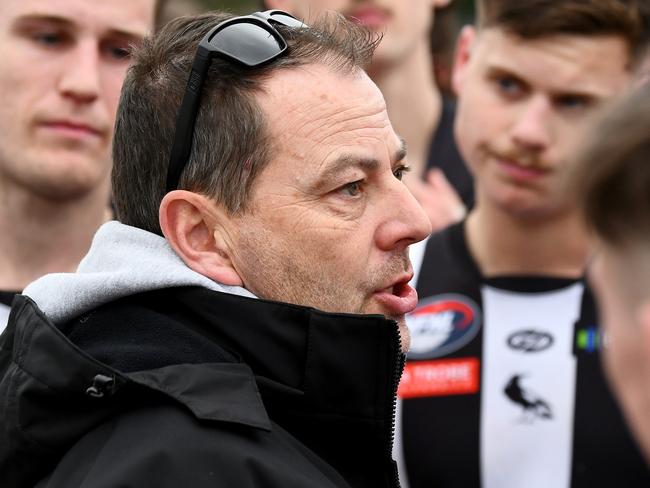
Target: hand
438, 199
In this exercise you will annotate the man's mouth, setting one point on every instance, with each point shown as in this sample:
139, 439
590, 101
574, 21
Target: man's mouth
397, 299
370, 16
70, 128
521, 170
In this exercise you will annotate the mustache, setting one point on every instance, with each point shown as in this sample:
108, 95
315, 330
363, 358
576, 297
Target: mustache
398, 264
528, 159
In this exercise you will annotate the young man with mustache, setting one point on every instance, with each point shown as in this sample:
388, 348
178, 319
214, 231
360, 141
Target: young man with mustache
504, 386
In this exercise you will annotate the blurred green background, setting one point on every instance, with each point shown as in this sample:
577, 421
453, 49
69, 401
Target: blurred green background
244, 6
232, 5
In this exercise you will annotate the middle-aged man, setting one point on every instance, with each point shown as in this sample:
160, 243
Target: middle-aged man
616, 196
504, 385
62, 63
243, 324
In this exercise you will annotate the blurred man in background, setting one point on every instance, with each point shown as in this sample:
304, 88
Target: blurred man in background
616, 195
504, 386
62, 63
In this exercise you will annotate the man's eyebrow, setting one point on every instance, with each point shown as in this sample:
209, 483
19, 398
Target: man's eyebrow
24, 21
586, 92
348, 161
400, 154
366, 164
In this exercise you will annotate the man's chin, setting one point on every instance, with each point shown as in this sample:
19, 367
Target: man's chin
404, 332
405, 335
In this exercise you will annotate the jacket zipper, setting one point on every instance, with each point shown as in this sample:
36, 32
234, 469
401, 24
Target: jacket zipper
398, 368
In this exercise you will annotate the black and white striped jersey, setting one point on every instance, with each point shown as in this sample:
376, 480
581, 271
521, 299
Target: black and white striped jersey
503, 386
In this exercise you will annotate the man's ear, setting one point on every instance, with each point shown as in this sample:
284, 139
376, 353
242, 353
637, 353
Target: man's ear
462, 56
196, 228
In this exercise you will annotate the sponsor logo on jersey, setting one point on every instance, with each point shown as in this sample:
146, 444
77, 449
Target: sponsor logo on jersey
441, 325
533, 406
441, 377
588, 339
530, 340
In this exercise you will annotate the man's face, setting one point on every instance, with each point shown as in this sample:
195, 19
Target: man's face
330, 221
618, 278
62, 63
523, 108
404, 23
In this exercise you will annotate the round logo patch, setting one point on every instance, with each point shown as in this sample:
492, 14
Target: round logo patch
441, 325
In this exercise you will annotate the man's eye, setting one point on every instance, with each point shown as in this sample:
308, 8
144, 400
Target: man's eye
118, 51
399, 172
48, 38
352, 189
572, 102
508, 86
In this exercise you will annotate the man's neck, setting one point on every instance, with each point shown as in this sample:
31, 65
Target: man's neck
40, 236
413, 102
503, 244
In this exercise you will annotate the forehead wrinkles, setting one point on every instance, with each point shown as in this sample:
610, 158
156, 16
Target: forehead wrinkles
313, 105
360, 118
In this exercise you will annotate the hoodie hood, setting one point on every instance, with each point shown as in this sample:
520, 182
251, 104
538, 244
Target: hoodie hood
122, 261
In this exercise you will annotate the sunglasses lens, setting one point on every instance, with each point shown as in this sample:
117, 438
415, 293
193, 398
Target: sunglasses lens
249, 43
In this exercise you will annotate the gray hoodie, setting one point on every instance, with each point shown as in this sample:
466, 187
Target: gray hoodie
122, 261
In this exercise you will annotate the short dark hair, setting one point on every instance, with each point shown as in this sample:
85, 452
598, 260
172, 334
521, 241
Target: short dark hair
612, 176
533, 19
231, 142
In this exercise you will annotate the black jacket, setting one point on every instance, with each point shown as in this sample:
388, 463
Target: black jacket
191, 387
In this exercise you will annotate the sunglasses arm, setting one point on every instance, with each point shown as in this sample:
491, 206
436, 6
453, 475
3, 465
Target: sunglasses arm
186, 118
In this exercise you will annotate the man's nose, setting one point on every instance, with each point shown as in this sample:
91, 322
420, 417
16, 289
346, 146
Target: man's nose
404, 220
80, 79
531, 129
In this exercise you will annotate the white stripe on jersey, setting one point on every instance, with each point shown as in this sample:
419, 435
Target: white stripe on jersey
527, 398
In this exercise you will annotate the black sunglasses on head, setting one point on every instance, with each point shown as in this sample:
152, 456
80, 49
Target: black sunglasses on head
251, 41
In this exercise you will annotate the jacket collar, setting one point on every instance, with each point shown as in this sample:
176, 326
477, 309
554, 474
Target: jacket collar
57, 371
335, 363
329, 379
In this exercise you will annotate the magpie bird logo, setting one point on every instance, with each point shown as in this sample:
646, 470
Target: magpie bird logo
534, 407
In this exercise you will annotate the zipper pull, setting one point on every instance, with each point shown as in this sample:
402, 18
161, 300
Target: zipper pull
102, 384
